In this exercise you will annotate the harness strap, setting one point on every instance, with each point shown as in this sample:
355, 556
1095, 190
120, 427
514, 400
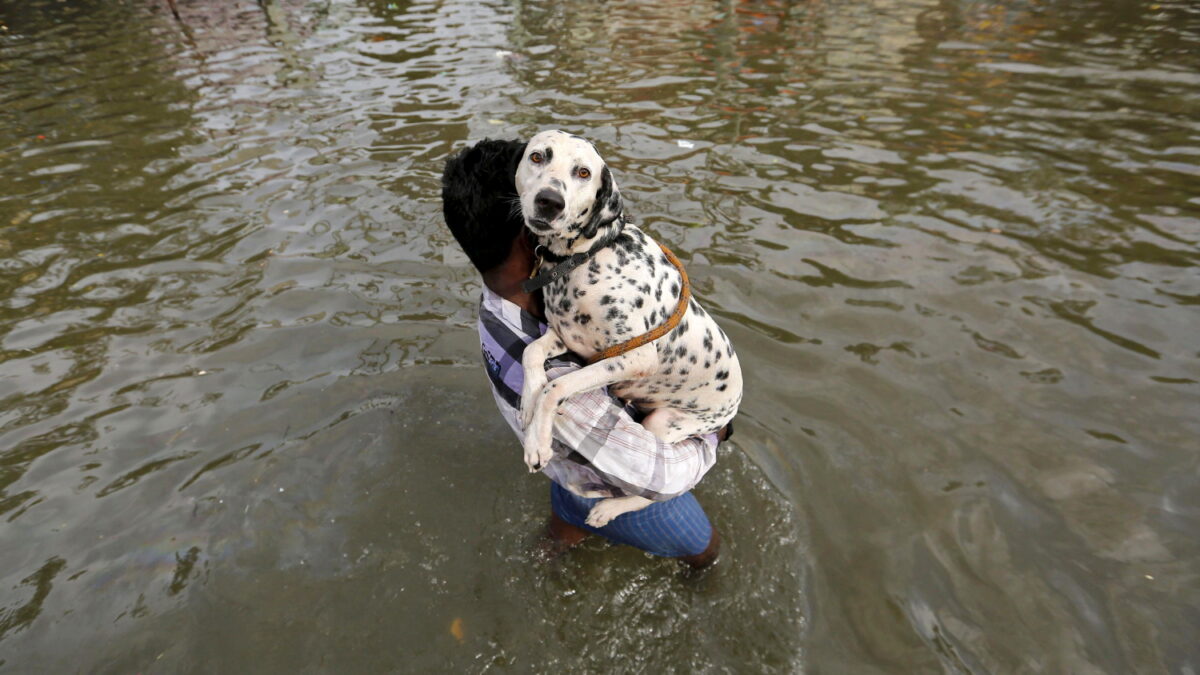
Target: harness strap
685, 294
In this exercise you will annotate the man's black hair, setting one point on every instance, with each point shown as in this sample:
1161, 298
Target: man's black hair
479, 200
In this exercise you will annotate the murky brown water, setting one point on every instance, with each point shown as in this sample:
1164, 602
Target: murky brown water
244, 426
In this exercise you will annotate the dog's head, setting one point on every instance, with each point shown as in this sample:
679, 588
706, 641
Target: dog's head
566, 191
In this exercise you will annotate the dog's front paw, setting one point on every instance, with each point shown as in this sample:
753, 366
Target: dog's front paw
537, 456
531, 395
538, 450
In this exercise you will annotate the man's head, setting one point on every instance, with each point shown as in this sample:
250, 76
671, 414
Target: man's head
566, 191
479, 200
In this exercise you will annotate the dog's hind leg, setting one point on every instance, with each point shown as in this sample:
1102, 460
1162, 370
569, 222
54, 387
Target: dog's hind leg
607, 509
672, 425
533, 363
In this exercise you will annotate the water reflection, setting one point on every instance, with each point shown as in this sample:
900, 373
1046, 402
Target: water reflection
956, 244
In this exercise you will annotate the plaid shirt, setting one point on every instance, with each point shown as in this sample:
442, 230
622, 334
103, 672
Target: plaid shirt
599, 450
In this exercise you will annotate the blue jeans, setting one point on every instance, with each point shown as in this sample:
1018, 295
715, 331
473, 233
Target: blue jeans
674, 528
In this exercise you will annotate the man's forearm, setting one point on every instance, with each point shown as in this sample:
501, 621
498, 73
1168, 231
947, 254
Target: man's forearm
594, 425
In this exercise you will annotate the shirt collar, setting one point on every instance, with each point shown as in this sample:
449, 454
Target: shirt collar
508, 312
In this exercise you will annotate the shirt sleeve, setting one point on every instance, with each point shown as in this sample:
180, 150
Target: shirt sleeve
595, 438
599, 429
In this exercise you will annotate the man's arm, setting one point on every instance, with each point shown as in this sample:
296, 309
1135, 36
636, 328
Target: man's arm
595, 431
595, 438
598, 429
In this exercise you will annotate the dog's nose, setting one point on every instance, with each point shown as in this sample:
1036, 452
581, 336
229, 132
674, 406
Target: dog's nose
549, 203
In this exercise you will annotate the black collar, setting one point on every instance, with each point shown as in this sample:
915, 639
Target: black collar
562, 264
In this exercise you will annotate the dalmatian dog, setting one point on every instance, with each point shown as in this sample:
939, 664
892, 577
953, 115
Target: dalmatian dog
620, 284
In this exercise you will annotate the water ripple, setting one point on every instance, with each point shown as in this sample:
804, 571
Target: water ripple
956, 245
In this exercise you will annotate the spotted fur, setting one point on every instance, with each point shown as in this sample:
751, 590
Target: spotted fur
689, 380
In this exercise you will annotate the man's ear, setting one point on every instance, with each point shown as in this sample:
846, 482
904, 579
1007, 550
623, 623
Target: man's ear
607, 206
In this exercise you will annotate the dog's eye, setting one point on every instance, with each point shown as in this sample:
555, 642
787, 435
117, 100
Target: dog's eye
583, 173
535, 157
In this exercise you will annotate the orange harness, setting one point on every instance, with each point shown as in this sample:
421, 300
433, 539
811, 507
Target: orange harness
685, 294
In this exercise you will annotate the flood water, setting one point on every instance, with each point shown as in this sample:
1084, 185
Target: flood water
244, 425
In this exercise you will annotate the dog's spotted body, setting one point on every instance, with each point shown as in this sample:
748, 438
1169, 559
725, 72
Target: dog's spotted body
689, 380
628, 289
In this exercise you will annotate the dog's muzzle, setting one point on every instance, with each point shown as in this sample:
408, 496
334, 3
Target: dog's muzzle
549, 204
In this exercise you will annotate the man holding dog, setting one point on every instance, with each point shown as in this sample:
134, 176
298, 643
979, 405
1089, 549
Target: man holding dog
601, 450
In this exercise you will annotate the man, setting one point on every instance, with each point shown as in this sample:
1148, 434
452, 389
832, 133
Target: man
600, 450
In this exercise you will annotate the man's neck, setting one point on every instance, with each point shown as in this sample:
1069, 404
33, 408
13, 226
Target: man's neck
505, 279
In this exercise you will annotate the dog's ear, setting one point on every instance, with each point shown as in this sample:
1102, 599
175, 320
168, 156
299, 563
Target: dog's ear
607, 207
